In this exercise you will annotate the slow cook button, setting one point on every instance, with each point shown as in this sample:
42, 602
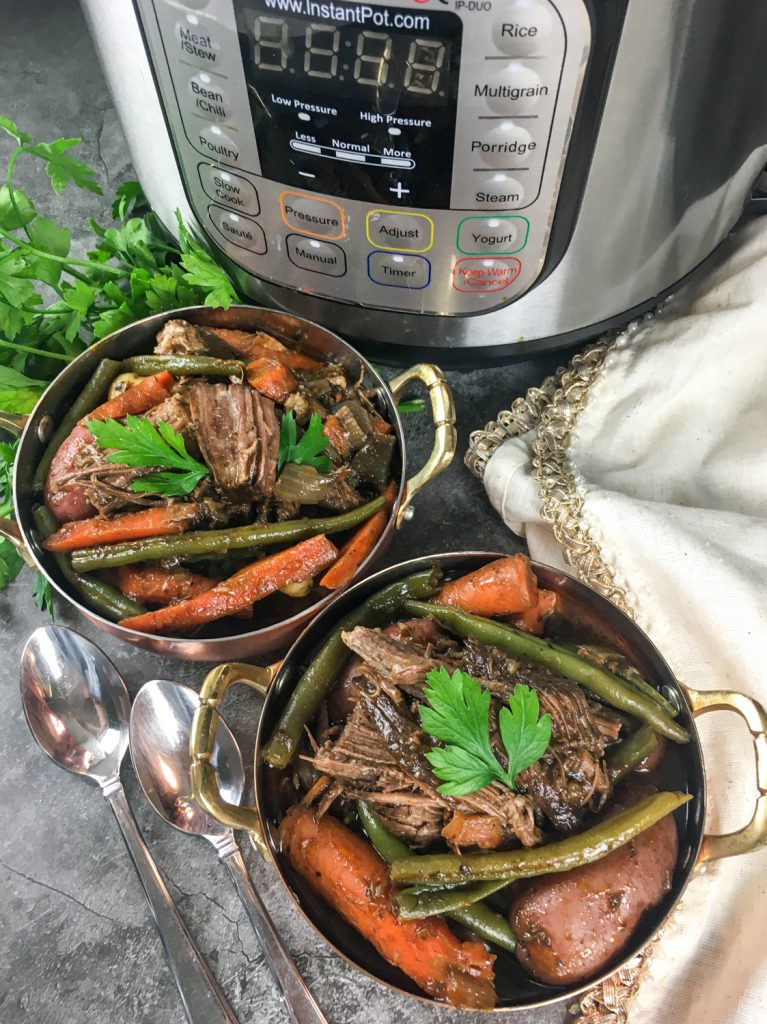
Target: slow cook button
505, 145
499, 191
229, 189
238, 230
492, 236
525, 27
196, 45
208, 98
320, 218
403, 232
515, 88
214, 142
319, 257
483, 274
396, 270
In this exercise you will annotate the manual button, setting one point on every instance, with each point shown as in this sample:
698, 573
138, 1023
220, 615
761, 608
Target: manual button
492, 236
320, 218
403, 232
319, 257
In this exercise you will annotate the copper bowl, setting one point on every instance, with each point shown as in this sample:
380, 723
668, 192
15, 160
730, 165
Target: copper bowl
287, 616
595, 618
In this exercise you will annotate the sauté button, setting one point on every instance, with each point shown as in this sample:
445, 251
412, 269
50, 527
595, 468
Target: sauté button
229, 189
238, 230
398, 270
196, 44
214, 142
493, 236
499, 191
320, 218
208, 98
484, 273
515, 88
403, 232
526, 26
319, 257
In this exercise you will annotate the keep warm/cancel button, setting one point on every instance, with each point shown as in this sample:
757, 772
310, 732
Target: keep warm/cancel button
484, 274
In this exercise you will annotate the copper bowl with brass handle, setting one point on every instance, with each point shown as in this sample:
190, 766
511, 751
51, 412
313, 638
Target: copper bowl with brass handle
683, 769
286, 617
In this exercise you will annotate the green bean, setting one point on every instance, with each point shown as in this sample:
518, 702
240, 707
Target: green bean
558, 659
186, 365
573, 852
626, 755
218, 542
90, 396
316, 681
99, 596
602, 656
426, 900
476, 916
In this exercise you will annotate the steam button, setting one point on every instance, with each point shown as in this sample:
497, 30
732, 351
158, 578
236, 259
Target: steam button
499, 191
527, 26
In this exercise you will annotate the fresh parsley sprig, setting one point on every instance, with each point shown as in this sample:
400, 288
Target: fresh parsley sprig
139, 443
307, 452
458, 716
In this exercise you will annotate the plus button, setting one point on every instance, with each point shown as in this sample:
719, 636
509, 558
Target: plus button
399, 191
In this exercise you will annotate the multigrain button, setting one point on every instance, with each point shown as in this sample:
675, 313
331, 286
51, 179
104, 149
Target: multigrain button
485, 274
319, 257
397, 270
196, 44
492, 236
526, 26
513, 88
499, 191
506, 145
320, 218
238, 230
214, 142
207, 97
229, 189
406, 232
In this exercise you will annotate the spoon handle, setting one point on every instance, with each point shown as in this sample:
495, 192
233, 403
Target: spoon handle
203, 1000
299, 1001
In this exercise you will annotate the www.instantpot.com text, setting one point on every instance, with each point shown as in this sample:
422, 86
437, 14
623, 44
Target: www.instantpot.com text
356, 14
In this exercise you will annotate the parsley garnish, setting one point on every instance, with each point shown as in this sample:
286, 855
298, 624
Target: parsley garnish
307, 451
140, 443
459, 718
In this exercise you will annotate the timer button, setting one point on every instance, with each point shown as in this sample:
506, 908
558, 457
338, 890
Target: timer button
527, 26
485, 274
397, 270
237, 229
320, 218
214, 142
208, 98
318, 257
229, 189
499, 191
492, 236
515, 88
507, 145
403, 232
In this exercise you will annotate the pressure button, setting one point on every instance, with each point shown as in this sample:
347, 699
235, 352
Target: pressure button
320, 218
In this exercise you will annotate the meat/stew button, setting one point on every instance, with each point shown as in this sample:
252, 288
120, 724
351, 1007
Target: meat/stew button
485, 274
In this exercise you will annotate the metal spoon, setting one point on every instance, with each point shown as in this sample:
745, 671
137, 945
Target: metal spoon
77, 708
160, 726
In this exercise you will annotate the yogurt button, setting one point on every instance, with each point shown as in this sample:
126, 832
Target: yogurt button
526, 26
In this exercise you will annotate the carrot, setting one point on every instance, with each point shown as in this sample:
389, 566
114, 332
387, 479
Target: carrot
381, 426
532, 620
345, 871
160, 586
360, 544
334, 431
499, 588
150, 522
271, 378
252, 345
253, 583
140, 398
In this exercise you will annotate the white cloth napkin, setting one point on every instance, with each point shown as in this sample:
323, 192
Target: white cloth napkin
669, 454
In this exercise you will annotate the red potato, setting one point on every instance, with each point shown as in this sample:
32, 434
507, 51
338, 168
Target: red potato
571, 926
68, 502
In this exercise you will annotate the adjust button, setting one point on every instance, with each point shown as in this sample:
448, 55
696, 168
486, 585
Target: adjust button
229, 189
319, 257
484, 274
238, 230
320, 218
493, 236
396, 270
404, 232
208, 98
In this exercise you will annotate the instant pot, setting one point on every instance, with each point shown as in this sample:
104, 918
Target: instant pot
484, 177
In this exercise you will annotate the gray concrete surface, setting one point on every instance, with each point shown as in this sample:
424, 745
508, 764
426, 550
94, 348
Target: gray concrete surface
77, 945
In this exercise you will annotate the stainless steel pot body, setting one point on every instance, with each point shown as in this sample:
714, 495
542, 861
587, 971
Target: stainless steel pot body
596, 618
139, 338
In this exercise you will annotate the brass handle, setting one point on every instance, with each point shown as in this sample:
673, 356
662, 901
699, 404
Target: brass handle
754, 834
445, 436
12, 423
204, 782
9, 530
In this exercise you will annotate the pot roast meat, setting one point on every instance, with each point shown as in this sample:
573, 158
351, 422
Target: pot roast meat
238, 435
178, 337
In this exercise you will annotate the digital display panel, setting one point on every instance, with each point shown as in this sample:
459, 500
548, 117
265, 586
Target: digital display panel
353, 100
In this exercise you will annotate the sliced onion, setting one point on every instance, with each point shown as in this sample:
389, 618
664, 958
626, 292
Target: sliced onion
300, 589
302, 484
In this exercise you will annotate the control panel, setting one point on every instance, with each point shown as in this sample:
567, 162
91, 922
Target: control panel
404, 157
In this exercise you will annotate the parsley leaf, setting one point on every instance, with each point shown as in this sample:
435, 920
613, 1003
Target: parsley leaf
307, 451
141, 443
43, 594
18, 393
10, 560
63, 169
458, 715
